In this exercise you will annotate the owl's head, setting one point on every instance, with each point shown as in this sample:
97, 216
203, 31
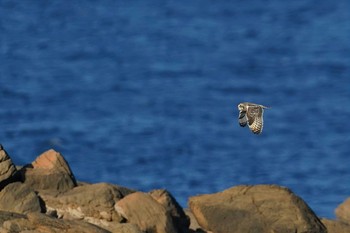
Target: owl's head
241, 107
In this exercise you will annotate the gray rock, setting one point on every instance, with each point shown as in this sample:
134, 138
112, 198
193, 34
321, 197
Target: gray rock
19, 198
260, 208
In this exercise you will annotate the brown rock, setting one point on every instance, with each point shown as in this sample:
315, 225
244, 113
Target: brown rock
17, 225
7, 168
260, 208
343, 211
142, 210
127, 228
41, 223
194, 226
5, 215
180, 219
49, 172
19, 198
92, 203
336, 226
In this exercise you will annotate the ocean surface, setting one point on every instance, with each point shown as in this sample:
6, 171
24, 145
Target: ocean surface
144, 94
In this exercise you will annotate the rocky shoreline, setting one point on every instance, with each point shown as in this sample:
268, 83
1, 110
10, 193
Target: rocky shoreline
44, 196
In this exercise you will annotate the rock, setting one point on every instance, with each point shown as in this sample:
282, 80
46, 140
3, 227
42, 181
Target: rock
343, 211
5, 215
93, 203
180, 219
17, 226
49, 172
260, 208
336, 226
7, 168
19, 198
194, 226
127, 228
36, 222
141, 209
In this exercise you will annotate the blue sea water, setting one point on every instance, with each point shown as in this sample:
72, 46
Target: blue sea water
144, 94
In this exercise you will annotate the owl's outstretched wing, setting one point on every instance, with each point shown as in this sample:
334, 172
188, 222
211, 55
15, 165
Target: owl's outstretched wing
242, 118
255, 118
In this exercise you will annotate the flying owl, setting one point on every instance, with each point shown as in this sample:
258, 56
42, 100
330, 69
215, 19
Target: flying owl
253, 115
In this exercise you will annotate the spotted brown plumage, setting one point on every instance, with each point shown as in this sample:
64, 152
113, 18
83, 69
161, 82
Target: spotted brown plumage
251, 114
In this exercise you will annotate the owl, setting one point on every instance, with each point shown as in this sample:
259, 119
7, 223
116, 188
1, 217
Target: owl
253, 115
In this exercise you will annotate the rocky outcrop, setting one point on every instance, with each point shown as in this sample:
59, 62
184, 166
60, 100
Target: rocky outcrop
92, 203
343, 211
7, 168
261, 208
180, 219
194, 226
5, 216
19, 198
141, 209
127, 228
45, 197
336, 226
41, 223
49, 172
